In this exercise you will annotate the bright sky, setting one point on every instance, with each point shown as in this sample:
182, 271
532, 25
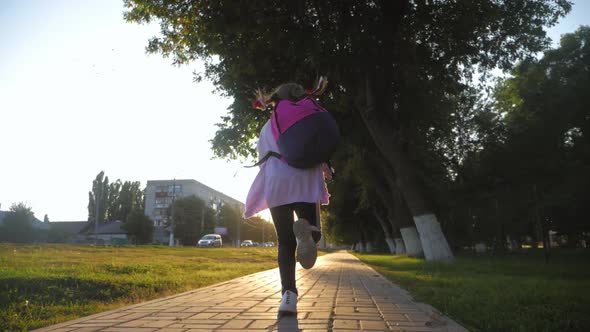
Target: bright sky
78, 94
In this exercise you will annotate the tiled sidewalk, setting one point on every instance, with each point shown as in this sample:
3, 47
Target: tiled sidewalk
339, 294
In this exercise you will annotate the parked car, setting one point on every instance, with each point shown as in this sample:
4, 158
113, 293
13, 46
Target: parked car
268, 244
210, 240
247, 243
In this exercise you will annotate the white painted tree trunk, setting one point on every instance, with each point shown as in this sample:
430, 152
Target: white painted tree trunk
369, 247
362, 248
400, 248
390, 245
433, 240
386, 231
412, 241
322, 244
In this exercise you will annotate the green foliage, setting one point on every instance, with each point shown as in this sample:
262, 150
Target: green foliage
18, 225
230, 218
112, 203
116, 201
265, 43
400, 86
139, 227
49, 284
341, 223
534, 171
192, 219
98, 195
254, 228
511, 293
128, 197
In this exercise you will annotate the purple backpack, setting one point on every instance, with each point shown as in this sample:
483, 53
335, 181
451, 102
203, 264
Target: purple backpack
306, 133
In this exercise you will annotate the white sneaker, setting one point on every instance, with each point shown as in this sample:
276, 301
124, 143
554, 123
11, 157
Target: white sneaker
307, 251
288, 304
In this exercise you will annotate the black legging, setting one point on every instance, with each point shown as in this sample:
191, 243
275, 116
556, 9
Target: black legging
282, 216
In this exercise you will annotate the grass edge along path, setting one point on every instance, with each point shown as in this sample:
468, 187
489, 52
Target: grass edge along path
42, 285
507, 293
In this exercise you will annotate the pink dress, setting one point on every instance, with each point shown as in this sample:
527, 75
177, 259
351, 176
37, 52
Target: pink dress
277, 183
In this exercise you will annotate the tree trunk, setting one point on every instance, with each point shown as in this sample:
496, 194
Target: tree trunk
369, 247
409, 234
400, 248
365, 240
386, 231
432, 238
391, 245
412, 241
406, 180
393, 215
360, 247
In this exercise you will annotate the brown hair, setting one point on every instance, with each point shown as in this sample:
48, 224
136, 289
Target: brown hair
288, 91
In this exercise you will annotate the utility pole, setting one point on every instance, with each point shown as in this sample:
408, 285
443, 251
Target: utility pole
171, 241
218, 205
202, 220
96, 202
205, 206
238, 226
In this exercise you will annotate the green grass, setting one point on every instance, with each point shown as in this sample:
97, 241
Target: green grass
48, 284
510, 293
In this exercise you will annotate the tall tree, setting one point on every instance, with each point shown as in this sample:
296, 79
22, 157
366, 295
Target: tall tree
192, 219
139, 227
99, 194
255, 228
230, 218
18, 224
546, 107
398, 64
113, 204
116, 199
130, 197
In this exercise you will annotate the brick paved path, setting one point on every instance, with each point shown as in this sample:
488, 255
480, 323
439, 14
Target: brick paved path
339, 294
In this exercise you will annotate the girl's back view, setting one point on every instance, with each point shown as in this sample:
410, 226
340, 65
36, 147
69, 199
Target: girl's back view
285, 190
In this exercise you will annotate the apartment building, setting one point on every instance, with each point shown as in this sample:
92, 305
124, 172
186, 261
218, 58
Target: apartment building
159, 195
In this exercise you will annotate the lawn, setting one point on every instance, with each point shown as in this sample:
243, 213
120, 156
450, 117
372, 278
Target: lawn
48, 284
516, 292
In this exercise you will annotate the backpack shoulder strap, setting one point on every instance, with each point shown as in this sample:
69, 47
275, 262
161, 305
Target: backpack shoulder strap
277, 120
274, 121
265, 158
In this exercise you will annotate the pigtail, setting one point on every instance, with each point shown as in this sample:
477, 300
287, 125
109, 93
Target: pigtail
320, 87
262, 99
288, 91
